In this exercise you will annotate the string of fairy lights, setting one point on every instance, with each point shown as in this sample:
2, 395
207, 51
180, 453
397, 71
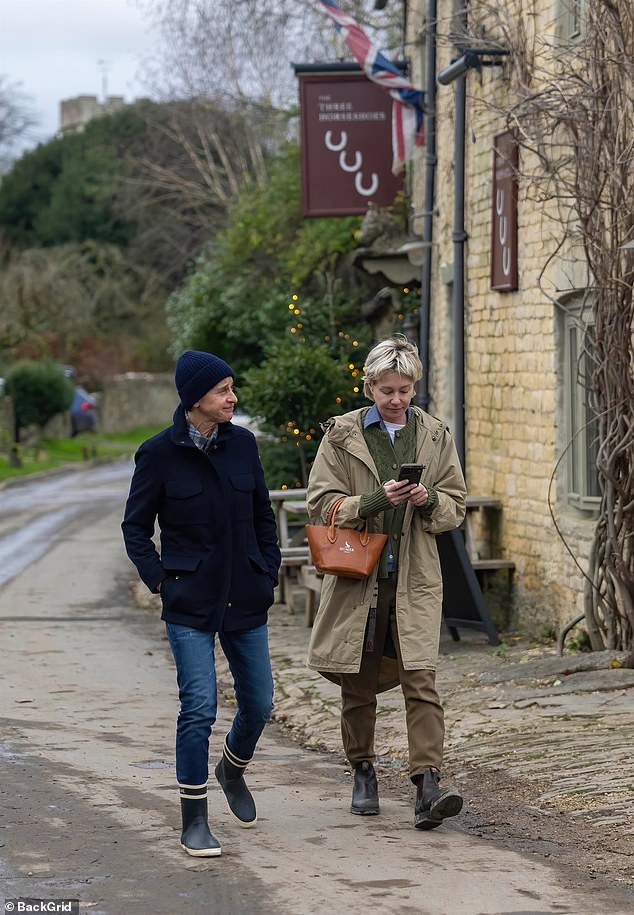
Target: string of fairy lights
409, 303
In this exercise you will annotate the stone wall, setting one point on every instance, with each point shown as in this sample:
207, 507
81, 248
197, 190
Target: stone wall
59, 426
137, 399
512, 396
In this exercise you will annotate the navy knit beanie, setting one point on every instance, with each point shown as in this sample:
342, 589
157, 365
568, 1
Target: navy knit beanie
197, 373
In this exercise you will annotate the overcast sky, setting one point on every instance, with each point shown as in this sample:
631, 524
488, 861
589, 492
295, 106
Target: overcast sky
52, 47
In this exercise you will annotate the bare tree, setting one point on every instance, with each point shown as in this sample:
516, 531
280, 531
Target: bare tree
242, 50
16, 119
196, 157
39, 295
573, 114
51, 299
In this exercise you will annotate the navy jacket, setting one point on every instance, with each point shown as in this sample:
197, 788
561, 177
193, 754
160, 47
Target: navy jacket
219, 556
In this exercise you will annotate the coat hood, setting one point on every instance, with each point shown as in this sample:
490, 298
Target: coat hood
340, 428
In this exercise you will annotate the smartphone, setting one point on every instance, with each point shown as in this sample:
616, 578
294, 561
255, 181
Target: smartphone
411, 472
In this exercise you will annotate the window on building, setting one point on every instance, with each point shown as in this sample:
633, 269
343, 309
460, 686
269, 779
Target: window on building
570, 16
580, 422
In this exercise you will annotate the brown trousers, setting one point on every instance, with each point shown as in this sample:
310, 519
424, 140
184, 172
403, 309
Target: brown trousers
423, 711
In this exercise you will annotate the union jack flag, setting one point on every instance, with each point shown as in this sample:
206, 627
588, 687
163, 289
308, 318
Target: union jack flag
407, 105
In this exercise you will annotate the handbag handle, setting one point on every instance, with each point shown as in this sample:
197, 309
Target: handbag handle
364, 536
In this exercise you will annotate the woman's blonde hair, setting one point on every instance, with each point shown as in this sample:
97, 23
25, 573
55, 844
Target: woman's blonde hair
394, 355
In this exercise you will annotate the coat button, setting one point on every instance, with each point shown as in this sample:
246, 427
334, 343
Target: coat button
395, 536
393, 466
176, 577
229, 604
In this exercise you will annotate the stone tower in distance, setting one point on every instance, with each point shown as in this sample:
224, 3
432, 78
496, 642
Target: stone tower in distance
75, 113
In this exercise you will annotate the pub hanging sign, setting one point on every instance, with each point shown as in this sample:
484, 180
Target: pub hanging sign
346, 142
504, 271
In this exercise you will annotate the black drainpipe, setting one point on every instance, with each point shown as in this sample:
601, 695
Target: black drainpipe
459, 238
429, 200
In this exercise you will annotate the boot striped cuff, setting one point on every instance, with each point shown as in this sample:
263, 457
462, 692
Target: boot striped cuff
233, 759
194, 792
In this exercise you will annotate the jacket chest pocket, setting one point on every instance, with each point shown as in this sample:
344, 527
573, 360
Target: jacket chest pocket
243, 487
183, 502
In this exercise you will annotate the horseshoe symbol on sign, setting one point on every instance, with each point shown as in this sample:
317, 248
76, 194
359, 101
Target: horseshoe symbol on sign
358, 162
503, 228
366, 191
354, 168
335, 147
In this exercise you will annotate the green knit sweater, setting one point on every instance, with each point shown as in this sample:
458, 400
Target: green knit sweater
388, 457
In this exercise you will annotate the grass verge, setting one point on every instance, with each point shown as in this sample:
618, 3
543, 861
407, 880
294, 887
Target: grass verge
59, 452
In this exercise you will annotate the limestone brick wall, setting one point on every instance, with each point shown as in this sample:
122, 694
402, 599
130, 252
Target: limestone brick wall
512, 383
137, 399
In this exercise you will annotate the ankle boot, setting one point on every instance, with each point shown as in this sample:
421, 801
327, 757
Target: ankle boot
434, 804
196, 838
365, 791
230, 775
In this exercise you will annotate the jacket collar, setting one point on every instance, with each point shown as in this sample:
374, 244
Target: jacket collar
347, 432
373, 417
179, 432
340, 428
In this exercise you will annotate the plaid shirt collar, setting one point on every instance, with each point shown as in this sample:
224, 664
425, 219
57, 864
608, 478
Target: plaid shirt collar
203, 442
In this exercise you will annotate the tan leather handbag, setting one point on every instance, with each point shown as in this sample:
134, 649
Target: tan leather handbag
344, 551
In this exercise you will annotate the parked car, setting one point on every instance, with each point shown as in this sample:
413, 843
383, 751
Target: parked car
83, 417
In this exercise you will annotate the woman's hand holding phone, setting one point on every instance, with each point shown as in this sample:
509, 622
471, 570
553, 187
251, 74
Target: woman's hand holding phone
419, 496
399, 491
407, 487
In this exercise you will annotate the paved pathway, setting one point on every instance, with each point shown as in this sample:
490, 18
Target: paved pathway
554, 735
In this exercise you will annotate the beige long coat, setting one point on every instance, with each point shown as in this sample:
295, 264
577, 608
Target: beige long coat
344, 467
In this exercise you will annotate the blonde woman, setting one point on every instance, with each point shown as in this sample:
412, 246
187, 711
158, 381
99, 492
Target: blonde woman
371, 635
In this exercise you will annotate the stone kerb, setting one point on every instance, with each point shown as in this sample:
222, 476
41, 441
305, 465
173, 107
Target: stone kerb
137, 399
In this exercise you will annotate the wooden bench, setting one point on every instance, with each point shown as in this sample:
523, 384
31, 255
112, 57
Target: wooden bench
293, 559
310, 579
293, 548
283, 502
296, 556
492, 565
491, 510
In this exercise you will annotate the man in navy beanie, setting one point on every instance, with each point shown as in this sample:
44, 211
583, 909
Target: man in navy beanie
216, 571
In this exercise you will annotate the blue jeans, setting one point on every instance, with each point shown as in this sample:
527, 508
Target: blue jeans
248, 655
